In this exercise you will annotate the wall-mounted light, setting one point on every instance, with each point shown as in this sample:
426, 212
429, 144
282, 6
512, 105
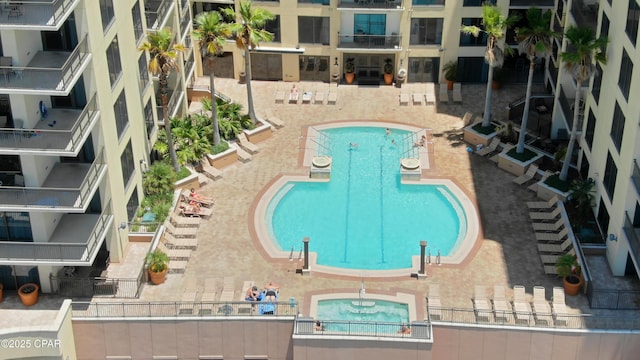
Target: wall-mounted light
123, 225
613, 237
336, 62
144, 166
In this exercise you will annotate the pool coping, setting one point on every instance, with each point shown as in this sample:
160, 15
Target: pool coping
262, 239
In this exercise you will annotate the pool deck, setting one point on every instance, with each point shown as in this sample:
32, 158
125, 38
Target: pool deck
506, 254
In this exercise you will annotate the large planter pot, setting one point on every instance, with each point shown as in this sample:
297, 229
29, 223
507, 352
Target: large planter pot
157, 278
515, 166
495, 85
223, 159
475, 138
572, 285
349, 77
28, 294
450, 85
388, 79
262, 132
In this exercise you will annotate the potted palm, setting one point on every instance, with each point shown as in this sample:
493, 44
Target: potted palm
28, 294
350, 70
568, 267
157, 263
450, 73
388, 71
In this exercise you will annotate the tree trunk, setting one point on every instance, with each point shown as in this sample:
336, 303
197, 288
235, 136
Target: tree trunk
572, 139
486, 120
214, 111
247, 71
525, 114
167, 128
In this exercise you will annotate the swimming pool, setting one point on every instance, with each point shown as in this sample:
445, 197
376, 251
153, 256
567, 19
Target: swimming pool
363, 310
364, 217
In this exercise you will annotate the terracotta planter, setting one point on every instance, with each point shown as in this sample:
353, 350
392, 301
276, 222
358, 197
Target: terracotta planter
388, 79
158, 278
28, 294
496, 85
349, 77
571, 288
449, 85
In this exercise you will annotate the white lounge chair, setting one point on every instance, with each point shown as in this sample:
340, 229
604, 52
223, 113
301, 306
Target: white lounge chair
552, 216
293, 96
500, 304
332, 98
555, 248
444, 93
548, 226
243, 156
181, 231
493, 146
280, 96
527, 176
246, 144
307, 96
552, 259
404, 99
541, 307
521, 307
180, 243
496, 157
430, 95
481, 304
246, 306
319, 99
467, 118
543, 204
552, 237
181, 221
175, 254
417, 98
210, 171
188, 299
457, 93
560, 311
434, 304
208, 297
534, 187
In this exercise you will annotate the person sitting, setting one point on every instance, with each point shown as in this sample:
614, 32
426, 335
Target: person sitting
271, 291
252, 293
404, 330
318, 326
191, 208
353, 145
293, 96
195, 197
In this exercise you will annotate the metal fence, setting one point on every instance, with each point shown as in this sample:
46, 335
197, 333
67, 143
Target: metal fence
87, 287
83, 309
414, 330
613, 299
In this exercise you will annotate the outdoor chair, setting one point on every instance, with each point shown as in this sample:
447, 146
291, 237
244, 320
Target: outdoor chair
208, 202
555, 248
210, 171
332, 98
243, 156
500, 304
541, 307
553, 227
319, 99
521, 307
246, 144
181, 231
181, 221
551, 216
457, 93
175, 254
246, 306
280, 96
560, 312
527, 176
180, 243
293, 96
430, 94
203, 212
404, 99
434, 304
493, 146
481, 305
543, 204
551, 260
444, 93
274, 120
208, 297
467, 118
552, 237
496, 156
188, 299
417, 98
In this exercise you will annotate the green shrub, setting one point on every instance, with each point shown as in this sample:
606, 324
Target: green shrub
222, 147
524, 157
555, 182
183, 173
484, 130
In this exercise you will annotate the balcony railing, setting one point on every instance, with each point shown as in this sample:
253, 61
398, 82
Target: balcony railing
528, 3
172, 104
370, 4
585, 13
632, 235
35, 15
415, 330
156, 12
48, 73
370, 41
43, 140
189, 66
565, 105
58, 253
635, 176
553, 73
55, 198
185, 25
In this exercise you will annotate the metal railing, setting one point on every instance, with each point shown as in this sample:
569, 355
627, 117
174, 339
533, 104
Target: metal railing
44, 140
42, 78
585, 13
533, 320
370, 4
156, 13
87, 287
635, 176
43, 198
175, 95
632, 236
143, 227
614, 299
370, 41
185, 24
566, 108
45, 14
414, 330
58, 253
82, 309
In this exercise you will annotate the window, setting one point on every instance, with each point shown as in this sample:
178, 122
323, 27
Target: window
113, 61
138, 29
617, 127
428, 2
369, 24
120, 111
15, 226
321, 2
148, 118
603, 217
604, 27
132, 205
273, 27
313, 30
633, 16
106, 13
426, 31
591, 125
626, 70
143, 69
610, 175
597, 83
126, 163
470, 40
477, 2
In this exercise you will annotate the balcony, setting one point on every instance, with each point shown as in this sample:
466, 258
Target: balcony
635, 176
633, 236
174, 99
189, 66
75, 242
585, 13
370, 4
525, 4
157, 13
68, 188
62, 133
44, 15
355, 42
185, 24
48, 73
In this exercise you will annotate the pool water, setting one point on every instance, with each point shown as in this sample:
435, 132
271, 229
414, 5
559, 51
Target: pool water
369, 310
364, 218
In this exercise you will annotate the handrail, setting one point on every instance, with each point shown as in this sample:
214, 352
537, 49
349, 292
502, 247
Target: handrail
635, 175
413, 330
43, 13
160, 14
370, 41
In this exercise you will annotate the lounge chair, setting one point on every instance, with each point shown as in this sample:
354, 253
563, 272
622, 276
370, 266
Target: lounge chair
245, 308
417, 98
534, 187
548, 226
188, 299
500, 304
551, 260
555, 248
444, 93
467, 119
430, 95
319, 99
180, 243
560, 311
550, 269
541, 307
243, 156
543, 204
175, 254
457, 93
521, 307
481, 305
496, 156
280, 96
203, 201
404, 99
204, 212
211, 172
208, 296
552, 237
274, 120
246, 144
181, 221
493, 146
181, 231
332, 98
434, 305
552, 216
527, 176
293, 96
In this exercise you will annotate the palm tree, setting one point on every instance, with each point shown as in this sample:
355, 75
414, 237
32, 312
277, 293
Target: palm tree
212, 34
163, 54
534, 40
495, 27
249, 32
580, 59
